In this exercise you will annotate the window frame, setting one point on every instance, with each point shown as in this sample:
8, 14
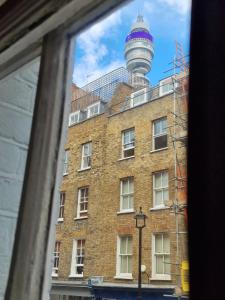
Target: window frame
79, 211
74, 264
62, 196
56, 257
89, 109
162, 188
142, 92
66, 162
130, 142
118, 258
76, 113
154, 274
154, 136
122, 180
165, 82
84, 156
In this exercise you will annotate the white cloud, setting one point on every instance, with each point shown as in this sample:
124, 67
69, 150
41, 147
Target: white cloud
94, 49
182, 7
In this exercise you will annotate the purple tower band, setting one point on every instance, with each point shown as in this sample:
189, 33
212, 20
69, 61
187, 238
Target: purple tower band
139, 35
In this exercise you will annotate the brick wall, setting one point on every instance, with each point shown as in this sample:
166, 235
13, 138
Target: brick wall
104, 224
17, 94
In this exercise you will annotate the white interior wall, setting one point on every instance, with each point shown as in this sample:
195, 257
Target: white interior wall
17, 95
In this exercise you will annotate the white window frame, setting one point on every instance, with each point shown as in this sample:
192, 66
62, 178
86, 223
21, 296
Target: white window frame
89, 115
142, 92
66, 162
74, 264
162, 188
73, 114
62, 198
79, 211
118, 259
124, 149
84, 156
154, 136
166, 82
129, 194
154, 255
56, 255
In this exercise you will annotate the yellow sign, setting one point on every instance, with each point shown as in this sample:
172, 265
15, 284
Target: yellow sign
185, 276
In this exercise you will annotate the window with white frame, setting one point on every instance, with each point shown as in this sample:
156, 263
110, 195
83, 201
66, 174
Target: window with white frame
124, 256
82, 205
74, 118
56, 259
128, 143
126, 194
139, 97
86, 155
93, 110
66, 162
160, 134
160, 189
165, 86
78, 254
61, 206
161, 256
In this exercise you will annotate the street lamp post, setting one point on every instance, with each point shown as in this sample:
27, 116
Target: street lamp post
140, 218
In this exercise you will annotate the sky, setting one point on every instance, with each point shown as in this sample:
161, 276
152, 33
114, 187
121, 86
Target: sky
100, 49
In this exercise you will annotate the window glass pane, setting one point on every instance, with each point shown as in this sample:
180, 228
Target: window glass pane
157, 180
160, 142
123, 246
128, 153
165, 195
165, 179
125, 202
166, 244
129, 245
159, 264
166, 264
125, 186
123, 265
157, 127
158, 244
158, 197
164, 125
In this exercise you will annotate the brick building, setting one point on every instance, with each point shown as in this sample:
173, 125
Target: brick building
126, 153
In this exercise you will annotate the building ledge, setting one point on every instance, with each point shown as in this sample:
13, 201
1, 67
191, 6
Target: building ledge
125, 158
81, 218
163, 278
159, 208
60, 220
124, 277
158, 150
131, 211
85, 169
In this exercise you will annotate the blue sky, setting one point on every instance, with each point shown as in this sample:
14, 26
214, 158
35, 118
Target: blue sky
99, 49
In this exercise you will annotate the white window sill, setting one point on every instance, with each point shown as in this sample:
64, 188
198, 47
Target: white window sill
158, 150
54, 275
126, 277
159, 208
65, 174
161, 278
59, 220
84, 169
81, 218
125, 158
76, 276
130, 211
